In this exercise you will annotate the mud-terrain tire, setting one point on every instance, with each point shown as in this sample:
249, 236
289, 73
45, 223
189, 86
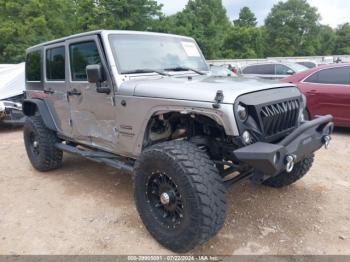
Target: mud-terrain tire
40, 145
285, 179
194, 187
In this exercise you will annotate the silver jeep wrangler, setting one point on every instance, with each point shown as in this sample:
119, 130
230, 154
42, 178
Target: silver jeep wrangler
147, 104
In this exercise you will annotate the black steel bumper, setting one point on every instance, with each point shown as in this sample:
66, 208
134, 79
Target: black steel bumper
271, 159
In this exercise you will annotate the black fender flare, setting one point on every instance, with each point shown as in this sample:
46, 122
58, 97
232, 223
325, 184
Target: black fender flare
31, 107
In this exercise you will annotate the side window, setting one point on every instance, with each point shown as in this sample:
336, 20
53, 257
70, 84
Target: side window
268, 69
82, 55
55, 64
282, 69
337, 76
33, 66
249, 70
313, 78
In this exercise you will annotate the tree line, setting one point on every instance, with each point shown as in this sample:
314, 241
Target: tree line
292, 28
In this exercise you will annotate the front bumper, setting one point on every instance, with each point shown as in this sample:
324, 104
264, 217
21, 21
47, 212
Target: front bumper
271, 159
11, 112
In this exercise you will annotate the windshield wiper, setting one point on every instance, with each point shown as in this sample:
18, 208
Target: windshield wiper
142, 71
184, 68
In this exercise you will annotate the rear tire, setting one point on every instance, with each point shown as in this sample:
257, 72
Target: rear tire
195, 210
40, 145
285, 179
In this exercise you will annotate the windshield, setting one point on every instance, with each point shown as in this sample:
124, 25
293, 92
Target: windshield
155, 52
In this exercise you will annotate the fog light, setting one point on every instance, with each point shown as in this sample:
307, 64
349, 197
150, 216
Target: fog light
247, 138
276, 158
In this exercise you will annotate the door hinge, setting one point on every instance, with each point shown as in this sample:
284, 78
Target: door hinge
70, 122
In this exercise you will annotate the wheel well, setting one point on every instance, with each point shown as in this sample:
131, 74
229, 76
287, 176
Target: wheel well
32, 107
175, 125
29, 108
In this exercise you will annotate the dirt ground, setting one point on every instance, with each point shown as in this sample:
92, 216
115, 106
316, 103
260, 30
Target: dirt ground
87, 208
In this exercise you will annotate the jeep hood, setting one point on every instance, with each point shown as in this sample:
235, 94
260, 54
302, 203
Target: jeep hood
200, 88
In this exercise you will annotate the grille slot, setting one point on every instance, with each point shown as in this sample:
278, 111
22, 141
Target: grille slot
279, 117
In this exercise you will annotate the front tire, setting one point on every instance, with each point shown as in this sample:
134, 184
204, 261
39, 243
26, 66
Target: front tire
40, 145
285, 179
179, 195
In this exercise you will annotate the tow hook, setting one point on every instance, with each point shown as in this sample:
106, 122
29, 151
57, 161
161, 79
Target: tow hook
289, 161
326, 141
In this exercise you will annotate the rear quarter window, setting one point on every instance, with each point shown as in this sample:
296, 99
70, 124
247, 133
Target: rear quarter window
33, 66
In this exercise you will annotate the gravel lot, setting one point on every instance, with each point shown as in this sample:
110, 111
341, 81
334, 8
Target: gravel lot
87, 208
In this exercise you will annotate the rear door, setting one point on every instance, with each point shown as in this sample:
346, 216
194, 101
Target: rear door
329, 90
55, 85
93, 115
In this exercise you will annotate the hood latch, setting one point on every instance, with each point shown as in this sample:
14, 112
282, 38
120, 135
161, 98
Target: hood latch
219, 98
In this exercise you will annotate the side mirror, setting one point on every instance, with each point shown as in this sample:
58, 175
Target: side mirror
290, 72
95, 75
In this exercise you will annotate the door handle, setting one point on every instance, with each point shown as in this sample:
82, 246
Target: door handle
312, 92
74, 92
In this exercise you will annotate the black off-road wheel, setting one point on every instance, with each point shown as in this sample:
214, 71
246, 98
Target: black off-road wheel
40, 145
285, 179
179, 195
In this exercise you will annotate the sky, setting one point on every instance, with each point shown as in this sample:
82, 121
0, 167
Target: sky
333, 12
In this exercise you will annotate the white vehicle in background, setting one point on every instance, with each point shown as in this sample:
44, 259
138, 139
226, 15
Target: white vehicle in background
221, 71
12, 86
308, 63
272, 70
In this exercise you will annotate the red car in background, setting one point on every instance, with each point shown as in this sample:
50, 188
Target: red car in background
327, 89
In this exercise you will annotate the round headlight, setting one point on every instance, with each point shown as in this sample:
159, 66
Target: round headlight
247, 138
242, 113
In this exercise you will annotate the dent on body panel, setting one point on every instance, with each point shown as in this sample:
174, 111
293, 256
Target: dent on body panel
94, 121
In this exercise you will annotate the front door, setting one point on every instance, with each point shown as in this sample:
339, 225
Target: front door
93, 117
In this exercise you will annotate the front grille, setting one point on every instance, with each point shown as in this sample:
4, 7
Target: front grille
279, 117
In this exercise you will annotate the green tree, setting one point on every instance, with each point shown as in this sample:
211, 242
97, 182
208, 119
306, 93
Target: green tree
88, 15
205, 20
116, 14
343, 40
246, 18
327, 40
25, 23
129, 14
292, 29
244, 42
